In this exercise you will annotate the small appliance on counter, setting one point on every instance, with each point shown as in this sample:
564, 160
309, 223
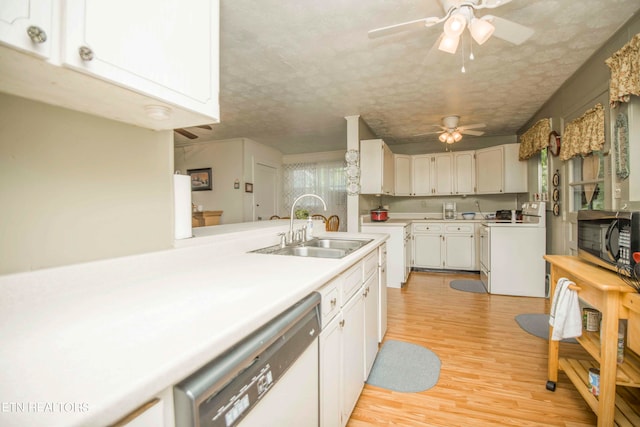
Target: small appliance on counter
505, 215
449, 210
379, 215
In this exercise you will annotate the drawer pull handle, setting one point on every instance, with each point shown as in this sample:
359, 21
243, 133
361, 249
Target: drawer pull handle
36, 34
342, 323
575, 288
333, 302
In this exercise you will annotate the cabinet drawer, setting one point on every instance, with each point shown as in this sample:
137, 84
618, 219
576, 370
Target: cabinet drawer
428, 227
330, 304
459, 228
352, 279
370, 264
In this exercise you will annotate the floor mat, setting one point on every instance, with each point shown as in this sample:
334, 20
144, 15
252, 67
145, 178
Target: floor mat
467, 285
405, 367
538, 324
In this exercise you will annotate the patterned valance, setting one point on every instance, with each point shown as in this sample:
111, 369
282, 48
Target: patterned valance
625, 72
584, 134
535, 139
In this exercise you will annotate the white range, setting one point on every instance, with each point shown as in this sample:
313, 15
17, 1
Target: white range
511, 254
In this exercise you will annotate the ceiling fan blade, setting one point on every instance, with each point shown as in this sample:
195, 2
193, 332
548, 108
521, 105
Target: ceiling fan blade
427, 133
185, 133
491, 4
509, 30
473, 126
207, 127
405, 26
471, 132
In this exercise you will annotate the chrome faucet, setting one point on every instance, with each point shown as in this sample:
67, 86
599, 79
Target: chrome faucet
290, 235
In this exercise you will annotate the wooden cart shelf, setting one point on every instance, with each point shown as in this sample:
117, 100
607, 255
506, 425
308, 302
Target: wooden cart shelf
619, 399
627, 410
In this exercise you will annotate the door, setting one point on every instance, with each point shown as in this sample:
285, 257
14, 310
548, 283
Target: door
331, 374
465, 175
18, 16
443, 174
403, 175
421, 175
352, 353
489, 170
178, 63
427, 250
459, 251
371, 304
264, 192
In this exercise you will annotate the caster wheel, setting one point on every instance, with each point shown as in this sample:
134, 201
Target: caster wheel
551, 385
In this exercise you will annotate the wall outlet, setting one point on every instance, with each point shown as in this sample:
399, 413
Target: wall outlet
617, 191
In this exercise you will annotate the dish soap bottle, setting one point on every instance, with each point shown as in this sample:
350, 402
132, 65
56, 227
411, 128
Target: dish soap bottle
309, 228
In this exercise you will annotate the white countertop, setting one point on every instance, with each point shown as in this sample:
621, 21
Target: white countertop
106, 336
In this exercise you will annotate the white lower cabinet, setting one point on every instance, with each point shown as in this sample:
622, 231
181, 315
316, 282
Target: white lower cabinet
349, 339
445, 246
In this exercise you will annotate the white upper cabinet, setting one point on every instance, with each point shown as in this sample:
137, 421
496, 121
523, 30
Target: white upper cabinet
27, 25
443, 174
402, 175
421, 174
376, 167
465, 172
152, 64
498, 170
489, 170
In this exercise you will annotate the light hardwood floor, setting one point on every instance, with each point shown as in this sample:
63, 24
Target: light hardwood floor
493, 373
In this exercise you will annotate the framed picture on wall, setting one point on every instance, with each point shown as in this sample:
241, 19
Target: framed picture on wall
201, 179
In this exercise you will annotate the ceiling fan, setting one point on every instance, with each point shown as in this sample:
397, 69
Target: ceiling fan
460, 14
450, 131
190, 135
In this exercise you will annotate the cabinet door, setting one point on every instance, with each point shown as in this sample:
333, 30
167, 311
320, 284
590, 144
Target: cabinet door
371, 294
16, 18
387, 170
443, 174
465, 172
489, 170
459, 251
331, 374
162, 49
421, 175
371, 159
352, 353
402, 175
427, 250
515, 171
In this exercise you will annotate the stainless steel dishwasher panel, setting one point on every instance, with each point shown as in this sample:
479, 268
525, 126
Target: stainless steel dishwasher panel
280, 358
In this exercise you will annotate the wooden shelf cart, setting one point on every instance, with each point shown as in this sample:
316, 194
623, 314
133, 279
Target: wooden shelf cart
606, 292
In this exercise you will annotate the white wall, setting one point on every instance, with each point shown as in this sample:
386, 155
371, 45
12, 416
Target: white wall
229, 160
75, 187
225, 160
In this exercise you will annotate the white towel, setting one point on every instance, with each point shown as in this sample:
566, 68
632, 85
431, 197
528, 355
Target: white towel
565, 312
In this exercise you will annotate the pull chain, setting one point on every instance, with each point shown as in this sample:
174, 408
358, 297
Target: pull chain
471, 57
463, 70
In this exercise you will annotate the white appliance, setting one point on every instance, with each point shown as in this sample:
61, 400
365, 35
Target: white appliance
511, 254
247, 385
449, 210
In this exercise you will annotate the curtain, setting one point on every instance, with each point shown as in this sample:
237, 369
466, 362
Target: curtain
583, 135
325, 179
535, 139
625, 72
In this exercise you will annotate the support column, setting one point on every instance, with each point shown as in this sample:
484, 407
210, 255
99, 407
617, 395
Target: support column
353, 201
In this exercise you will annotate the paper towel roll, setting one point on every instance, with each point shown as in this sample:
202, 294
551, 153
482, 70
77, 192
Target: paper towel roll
182, 206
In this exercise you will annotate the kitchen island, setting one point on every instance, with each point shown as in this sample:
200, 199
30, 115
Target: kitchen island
86, 344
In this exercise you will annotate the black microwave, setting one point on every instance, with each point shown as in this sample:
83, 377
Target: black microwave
609, 239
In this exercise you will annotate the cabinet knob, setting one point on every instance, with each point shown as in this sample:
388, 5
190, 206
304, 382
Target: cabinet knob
86, 54
333, 302
36, 34
342, 323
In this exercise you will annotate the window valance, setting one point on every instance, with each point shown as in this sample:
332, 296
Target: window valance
535, 139
584, 134
625, 72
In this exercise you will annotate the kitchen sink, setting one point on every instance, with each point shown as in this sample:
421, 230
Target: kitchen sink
317, 248
336, 243
312, 251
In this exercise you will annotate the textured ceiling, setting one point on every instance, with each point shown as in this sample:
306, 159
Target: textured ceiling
291, 70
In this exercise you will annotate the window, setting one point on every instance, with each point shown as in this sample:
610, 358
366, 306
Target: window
586, 182
325, 179
543, 171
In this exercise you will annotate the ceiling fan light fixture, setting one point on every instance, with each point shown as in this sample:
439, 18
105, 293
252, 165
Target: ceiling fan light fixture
457, 136
443, 136
481, 30
449, 44
450, 139
455, 25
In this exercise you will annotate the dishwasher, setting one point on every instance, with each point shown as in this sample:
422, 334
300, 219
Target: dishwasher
268, 379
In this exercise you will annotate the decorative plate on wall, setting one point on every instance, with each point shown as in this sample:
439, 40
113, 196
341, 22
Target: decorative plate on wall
556, 178
556, 209
556, 195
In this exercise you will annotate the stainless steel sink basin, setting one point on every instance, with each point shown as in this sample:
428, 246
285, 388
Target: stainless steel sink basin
317, 248
311, 251
336, 243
